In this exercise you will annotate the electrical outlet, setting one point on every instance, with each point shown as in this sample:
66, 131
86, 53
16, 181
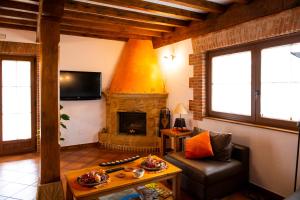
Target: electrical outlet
2, 36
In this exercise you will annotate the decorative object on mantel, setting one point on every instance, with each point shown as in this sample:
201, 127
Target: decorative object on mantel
164, 119
180, 122
63, 117
297, 54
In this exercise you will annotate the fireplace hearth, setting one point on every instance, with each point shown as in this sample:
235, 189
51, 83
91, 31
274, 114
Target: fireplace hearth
132, 123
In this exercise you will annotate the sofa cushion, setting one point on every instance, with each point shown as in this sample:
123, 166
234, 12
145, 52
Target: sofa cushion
222, 146
198, 146
205, 171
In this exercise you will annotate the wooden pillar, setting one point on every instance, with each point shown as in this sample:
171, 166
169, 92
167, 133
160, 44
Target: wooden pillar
49, 38
50, 13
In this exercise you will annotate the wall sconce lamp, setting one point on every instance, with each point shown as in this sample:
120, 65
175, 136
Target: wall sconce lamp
171, 57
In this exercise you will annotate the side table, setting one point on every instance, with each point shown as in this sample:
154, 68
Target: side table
172, 133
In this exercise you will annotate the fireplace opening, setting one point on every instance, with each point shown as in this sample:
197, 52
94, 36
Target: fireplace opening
132, 123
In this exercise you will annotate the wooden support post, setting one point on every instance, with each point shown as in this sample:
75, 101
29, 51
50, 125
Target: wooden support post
50, 170
49, 35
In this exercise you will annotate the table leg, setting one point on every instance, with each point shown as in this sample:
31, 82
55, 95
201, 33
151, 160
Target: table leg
163, 145
69, 194
176, 144
176, 187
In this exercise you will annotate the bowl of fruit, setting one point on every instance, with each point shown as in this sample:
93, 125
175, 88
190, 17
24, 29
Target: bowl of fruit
153, 164
93, 178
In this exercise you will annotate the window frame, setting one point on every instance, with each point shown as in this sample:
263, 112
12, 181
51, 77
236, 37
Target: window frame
255, 49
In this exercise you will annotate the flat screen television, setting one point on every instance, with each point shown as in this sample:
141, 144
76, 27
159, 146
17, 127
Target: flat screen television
75, 85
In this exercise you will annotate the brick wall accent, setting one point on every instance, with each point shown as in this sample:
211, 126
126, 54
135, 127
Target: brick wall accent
283, 23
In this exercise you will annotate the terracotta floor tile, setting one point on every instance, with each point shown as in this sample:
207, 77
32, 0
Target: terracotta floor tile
27, 179
28, 193
3, 183
9, 198
11, 189
11, 176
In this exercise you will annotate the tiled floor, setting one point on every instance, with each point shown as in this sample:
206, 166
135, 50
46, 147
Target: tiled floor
19, 174
18, 177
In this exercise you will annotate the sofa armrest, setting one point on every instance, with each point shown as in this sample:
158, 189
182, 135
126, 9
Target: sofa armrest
241, 153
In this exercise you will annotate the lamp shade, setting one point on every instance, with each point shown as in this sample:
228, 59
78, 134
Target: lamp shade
180, 109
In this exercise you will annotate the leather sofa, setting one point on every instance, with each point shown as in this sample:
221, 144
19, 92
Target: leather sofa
207, 179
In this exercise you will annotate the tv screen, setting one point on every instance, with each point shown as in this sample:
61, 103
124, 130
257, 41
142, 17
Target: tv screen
80, 85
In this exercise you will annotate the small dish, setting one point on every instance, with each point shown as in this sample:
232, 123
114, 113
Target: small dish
128, 169
138, 173
121, 175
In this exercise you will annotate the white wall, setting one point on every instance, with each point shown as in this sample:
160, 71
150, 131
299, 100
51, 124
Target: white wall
176, 74
87, 54
81, 54
272, 156
18, 35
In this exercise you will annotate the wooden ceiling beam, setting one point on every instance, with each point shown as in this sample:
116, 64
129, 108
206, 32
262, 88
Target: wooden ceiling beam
110, 27
113, 21
123, 14
18, 22
64, 32
19, 5
235, 15
18, 14
154, 8
200, 4
103, 33
17, 26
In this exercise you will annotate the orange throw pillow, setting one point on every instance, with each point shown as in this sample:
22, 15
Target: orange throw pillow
198, 146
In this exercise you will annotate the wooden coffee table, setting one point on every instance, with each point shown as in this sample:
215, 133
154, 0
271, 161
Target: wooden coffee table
74, 190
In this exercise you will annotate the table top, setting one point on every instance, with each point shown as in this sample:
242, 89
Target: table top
115, 182
175, 133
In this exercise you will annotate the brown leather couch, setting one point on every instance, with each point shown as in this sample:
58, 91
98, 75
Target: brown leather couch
207, 179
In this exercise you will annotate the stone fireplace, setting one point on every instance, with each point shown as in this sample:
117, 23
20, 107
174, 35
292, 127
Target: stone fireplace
134, 100
132, 123
147, 104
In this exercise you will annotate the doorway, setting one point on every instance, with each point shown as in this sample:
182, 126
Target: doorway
17, 105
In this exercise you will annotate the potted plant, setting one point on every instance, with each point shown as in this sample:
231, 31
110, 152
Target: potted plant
63, 117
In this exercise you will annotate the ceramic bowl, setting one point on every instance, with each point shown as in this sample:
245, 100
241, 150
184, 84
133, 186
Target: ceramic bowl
138, 173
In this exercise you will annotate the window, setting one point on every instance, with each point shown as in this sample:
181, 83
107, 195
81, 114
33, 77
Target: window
232, 93
257, 83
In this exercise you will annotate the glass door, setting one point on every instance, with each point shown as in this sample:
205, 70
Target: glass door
17, 105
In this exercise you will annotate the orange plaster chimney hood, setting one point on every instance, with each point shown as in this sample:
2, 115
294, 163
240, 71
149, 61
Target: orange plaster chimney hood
138, 71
